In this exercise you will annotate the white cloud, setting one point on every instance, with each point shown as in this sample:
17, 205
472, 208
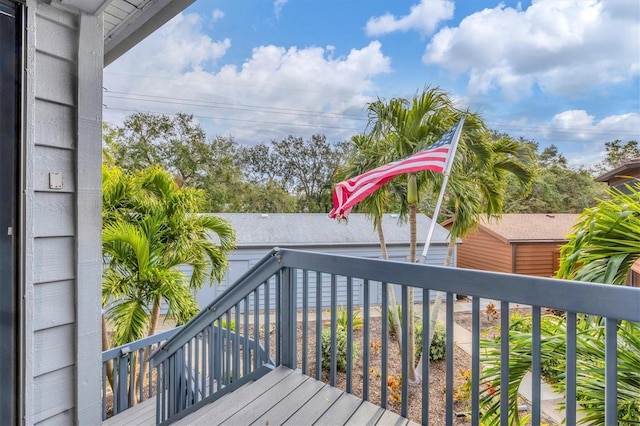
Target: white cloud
275, 92
564, 47
217, 15
278, 5
578, 125
423, 17
178, 46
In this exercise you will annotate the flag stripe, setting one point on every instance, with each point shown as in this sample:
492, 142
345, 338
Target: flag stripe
350, 192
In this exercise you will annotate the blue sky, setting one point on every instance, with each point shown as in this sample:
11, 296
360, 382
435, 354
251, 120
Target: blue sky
559, 72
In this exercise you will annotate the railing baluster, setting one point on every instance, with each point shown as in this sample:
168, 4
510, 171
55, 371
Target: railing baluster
349, 333
536, 367
187, 374
475, 360
611, 371
426, 349
228, 346
278, 334
385, 345
318, 325
449, 359
267, 313
504, 363
246, 347
236, 345
571, 369
256, 327
365, 339
305, 321
334, 331
406, 358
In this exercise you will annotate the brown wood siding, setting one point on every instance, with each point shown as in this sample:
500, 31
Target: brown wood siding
536, 259
483, 251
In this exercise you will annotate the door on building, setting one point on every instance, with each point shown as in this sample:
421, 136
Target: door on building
10, 93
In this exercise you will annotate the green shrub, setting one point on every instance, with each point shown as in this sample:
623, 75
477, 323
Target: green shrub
341, 349
438, 348
343, 318
438, 344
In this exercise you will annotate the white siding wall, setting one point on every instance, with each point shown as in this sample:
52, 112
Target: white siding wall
61, 226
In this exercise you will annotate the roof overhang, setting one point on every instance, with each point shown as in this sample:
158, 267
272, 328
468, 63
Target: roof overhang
127, 22
619, 171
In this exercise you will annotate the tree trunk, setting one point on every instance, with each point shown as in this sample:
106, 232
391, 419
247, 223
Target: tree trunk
143, 363
411, 344
393, 303
435, 310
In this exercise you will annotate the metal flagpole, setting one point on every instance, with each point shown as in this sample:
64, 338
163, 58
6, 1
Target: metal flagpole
447, 171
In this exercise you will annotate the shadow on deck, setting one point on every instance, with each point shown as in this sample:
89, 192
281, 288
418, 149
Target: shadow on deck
281, 397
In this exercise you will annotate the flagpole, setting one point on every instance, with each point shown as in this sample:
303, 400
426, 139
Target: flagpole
445, 180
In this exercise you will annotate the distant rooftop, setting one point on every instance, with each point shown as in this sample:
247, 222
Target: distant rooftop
317, 229
514, 227
620, 171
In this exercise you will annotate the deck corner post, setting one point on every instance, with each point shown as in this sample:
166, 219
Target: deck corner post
287, 317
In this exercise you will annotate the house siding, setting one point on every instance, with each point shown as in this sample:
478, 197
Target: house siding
61, 270
496, 254
536, 259
54, 213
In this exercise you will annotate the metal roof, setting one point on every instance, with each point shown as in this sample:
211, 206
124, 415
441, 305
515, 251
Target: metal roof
519, 227
310, 229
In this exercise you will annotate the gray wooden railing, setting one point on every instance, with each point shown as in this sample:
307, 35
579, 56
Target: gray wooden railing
126, 376
200, 363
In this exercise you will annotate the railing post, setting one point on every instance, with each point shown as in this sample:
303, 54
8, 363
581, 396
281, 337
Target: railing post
287, 317
123, 367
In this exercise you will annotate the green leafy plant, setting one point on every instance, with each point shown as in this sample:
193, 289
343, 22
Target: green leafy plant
343, 319
341, 349
438, 349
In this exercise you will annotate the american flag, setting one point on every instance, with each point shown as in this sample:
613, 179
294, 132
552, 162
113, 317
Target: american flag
350, 192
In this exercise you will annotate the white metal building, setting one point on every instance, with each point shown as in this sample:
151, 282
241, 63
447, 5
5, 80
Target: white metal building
258, 233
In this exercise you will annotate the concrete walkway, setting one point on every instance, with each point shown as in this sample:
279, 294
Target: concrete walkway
549, 398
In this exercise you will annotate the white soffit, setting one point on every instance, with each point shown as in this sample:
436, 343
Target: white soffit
127, 22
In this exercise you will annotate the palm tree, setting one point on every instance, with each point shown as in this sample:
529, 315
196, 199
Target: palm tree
477, 182
150, 227
408, 127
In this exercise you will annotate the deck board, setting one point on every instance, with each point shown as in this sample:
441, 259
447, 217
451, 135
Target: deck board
280, 397
341, 410
315, 407
142, 414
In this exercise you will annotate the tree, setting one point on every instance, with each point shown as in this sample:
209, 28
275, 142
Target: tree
150, 227
617, 154
179, 145
556, 188
407, 127
303, 168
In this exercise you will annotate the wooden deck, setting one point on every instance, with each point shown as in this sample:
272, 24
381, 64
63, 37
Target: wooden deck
281, 397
